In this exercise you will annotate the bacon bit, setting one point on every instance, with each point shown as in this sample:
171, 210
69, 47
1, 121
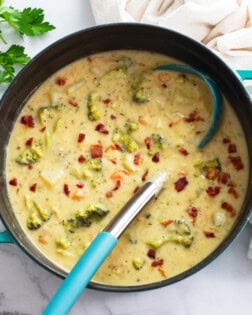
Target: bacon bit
107, 101
232, 148
226, 206
166, 222
140, 218
164, 77
60, 81
212, 173
142, 121
162, 272
137, 159
119, 175
224, 178
233, 192
33, 187
193, 117
231, 184
28, 121
117, 186
113, 161
109, 194
209, 234
182, 173
101, 128
171, 124
197, 132
81, 137
29, 142
136, 189
96, 151
43, 240
180, 184
237, 162
13, 182
193, 213
164, 85
151, 253
148, 142
113, 147
112, 117
43, 129
183, 151
30, 167
226, 140
213, 191
73, 103
66, 190
145, 175
156, 157
80, 185
81, 158
18, 147
157, 263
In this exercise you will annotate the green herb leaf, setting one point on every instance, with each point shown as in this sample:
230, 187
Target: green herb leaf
15, 55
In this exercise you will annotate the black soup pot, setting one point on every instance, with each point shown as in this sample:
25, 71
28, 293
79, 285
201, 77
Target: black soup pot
106, 38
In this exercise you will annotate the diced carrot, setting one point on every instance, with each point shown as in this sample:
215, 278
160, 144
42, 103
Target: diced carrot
113, 147
166, 222
140, 219
79, 194
43, 239
182, 173
162, 272
142, 121
119, 175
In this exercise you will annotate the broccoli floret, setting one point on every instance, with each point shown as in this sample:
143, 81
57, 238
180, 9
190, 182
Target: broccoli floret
70, 225
204, 166
63, 242
95, 164
31, 155
34, 221
89, 215
82, 218
140, 95
131, 126
179, 232
46, 113
125, 140
93, 113
43, 213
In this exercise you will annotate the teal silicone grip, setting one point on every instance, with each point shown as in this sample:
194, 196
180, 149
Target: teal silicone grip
81, 274
6, 237
245, 74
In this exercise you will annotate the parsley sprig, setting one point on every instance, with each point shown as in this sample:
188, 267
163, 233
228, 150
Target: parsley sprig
29, 22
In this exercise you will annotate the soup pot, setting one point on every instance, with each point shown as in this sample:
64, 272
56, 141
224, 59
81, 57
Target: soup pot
106, 38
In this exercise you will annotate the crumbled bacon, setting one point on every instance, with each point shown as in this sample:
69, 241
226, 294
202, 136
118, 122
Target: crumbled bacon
113, 161
183, 151
117, 186
81, 158
156, 263
148, 142
137, 158
156, 157
193, 213
66, 190
109, 194
180, 184
193, 117
81, 137
237, 162
233, 192
96, 151
43, 129
28, 121
151, 253
145, 175
136, 189
29, 142
226, 140
73, 103
13, 182
232, 148
101, 128
209, 234
80, 185
226, 206
213, 191
107, 101
112, 117
224, 178
33, 187
60, 81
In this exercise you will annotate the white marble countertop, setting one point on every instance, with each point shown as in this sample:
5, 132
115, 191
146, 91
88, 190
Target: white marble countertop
222, 288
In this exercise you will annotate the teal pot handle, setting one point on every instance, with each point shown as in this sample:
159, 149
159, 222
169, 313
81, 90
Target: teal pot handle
81, 274
6, 237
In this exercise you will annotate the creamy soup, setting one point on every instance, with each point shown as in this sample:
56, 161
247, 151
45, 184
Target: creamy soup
99, 128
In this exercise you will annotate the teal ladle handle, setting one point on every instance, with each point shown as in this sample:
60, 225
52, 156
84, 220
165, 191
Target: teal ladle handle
81, 274
217, 98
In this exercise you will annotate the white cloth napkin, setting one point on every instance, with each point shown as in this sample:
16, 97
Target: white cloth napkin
225, 26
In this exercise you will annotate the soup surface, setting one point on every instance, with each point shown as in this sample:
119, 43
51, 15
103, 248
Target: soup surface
99, 128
